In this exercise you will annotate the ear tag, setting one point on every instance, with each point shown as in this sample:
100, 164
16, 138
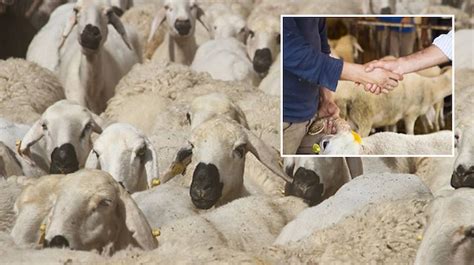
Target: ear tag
357, 137
42, 230
316, 148
155, 182
156, 232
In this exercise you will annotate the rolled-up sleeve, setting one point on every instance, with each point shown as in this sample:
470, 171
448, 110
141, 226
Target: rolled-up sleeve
304, 61
445, 43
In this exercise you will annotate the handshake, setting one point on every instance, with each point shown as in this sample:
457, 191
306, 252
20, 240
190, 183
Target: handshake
379, 76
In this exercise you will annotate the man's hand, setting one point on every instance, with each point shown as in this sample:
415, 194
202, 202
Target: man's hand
392, 65
377, 81
328, 109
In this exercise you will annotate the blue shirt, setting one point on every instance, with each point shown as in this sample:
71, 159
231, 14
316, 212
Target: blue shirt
306, 66
395, 20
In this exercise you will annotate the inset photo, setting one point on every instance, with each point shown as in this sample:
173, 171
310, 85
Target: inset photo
367, 85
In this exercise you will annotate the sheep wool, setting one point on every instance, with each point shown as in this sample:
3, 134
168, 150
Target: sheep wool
26, 90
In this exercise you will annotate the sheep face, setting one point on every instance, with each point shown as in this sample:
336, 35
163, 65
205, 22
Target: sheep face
344, 143
127, 155
262, 48
219, 152
92, 19
181, 15
463, 174
65, 128
87, 210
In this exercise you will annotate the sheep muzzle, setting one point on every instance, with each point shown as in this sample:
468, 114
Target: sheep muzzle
57, 242
462, 177
64, 160
262, 60
306, 185
206, 188
183, 26
91, 37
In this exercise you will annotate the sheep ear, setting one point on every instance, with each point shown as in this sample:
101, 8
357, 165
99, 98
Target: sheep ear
201, 17
267, 155
71, 22
178, 166
156, 23
137, 231
114, 20
151, 163
92, 161
355, 166
31, 137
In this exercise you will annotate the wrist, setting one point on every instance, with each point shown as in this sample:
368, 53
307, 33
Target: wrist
402, 65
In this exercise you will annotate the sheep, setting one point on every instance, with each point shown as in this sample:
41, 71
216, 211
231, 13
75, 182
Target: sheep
316, 178
447, 238
225, 22
60, 140
388, 143
346, 48
86, 210
80, 59
127, 154
376, 188
180, 43
26, 90
263, 42
225, 59
405, 102
463, 167
9, 164
11, 188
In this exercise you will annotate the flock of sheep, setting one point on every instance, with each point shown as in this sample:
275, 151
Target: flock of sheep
124, 138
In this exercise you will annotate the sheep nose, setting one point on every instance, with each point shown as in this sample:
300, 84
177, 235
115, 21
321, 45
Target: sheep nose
205, 188
306, 185
386, 10
183, 26
91, 37
58, 242
463, 177
262, 60
64, 160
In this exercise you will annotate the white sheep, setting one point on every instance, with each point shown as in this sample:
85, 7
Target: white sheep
367, 111
79, 59
225, 59
346, 48
86, 210
351, 197
447, 238
127, 154
180, 43
226, 22
60, 140
388, 143
26, 90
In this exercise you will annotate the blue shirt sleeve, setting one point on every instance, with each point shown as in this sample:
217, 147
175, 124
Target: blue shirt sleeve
304, 61
323, 35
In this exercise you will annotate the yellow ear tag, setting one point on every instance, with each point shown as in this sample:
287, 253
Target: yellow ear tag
419, 237
156, 232
155, 182
42, 230
17, 145
316, 148
357, 137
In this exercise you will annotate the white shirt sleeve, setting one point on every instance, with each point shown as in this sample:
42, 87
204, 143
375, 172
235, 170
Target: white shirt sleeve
445, 43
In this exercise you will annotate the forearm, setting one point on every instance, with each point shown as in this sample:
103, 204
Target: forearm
423, 59
354, 72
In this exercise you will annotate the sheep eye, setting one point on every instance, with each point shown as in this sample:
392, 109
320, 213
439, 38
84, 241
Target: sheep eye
215, 27
324, 143
76, 9
95, 153
141, 152
86, 129
105, 203
44, 126
251, 33
239, 151
242, 30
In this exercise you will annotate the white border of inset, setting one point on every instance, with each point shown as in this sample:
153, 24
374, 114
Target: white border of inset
371, 15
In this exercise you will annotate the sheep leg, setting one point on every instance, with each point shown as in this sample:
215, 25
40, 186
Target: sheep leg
410, 125
439, 115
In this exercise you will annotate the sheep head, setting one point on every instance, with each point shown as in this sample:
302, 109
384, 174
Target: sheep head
218, 148
65, 129
263, 44
463, 172
92, 19
127, 154
342, 143
88, 210
181, 17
